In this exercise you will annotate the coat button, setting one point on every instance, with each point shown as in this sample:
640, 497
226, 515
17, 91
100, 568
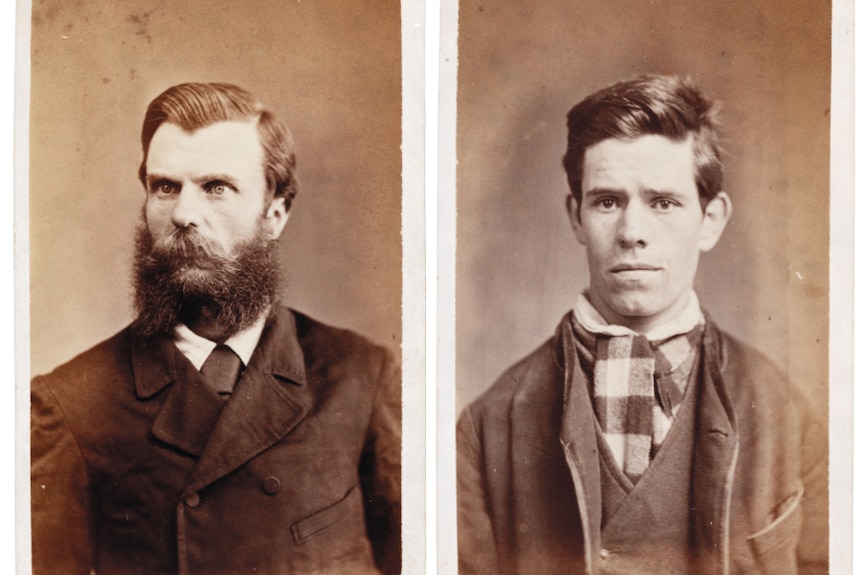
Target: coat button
271, 485
604, 553
193, 499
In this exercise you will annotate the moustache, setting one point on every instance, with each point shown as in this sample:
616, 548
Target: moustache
186, 247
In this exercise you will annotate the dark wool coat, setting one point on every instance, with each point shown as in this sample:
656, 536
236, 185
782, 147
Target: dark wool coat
136, 468
529, 487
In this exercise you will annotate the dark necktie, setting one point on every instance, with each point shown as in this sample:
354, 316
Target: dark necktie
221, 369
667, 390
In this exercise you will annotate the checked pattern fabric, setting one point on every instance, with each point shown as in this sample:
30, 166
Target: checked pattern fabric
637, 390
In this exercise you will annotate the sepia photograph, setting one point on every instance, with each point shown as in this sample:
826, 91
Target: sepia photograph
329, 287
215, 296
642, 287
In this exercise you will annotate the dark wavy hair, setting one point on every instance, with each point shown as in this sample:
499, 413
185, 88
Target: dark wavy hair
193, 106
654, 104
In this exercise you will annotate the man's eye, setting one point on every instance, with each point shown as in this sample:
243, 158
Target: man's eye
665, 205
164, 188
218, 188
607, 203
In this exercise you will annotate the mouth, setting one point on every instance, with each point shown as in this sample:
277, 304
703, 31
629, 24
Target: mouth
633, 267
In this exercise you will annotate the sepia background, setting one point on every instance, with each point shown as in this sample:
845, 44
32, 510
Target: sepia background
329, 68
522, 66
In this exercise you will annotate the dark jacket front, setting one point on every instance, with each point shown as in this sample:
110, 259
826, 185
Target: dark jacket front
529, 488
138, 467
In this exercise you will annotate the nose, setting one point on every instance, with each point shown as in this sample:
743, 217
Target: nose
186, 211
633, 226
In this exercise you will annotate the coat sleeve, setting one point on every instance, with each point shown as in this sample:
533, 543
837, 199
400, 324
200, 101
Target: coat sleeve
476, 549
380, 470
59, 493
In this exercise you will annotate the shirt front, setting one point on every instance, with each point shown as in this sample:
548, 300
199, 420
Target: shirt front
197, 349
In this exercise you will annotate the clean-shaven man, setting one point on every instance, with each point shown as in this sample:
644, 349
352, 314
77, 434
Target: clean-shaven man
641, 438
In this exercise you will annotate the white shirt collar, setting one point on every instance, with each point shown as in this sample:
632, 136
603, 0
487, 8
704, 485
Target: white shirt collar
197, 349
590, 318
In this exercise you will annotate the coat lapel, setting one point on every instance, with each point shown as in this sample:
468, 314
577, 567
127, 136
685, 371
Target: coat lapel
716, 448
189, 410
270, 399
578, 438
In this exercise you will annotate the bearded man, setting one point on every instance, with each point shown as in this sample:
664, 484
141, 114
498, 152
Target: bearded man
219, 433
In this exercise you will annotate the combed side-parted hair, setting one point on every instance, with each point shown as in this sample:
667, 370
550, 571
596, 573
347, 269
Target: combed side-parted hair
194, 105
663, 105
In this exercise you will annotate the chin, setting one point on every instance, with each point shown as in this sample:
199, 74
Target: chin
634, 308
632, 304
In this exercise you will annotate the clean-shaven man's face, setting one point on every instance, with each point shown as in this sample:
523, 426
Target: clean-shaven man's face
641, 221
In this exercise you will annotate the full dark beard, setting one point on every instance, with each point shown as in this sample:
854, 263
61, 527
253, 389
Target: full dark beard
181, 276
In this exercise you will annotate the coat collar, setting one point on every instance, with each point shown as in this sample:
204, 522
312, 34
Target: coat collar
270, 399
156, 364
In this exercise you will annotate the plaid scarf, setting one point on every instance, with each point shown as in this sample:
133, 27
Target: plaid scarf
637, 387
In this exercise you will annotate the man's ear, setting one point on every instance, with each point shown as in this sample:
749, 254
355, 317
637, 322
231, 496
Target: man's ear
575, 217
275, 217
715, 217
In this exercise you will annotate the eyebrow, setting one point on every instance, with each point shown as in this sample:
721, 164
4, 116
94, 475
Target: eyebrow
651, 192
156, 177
593, 192
215, 178
666, 194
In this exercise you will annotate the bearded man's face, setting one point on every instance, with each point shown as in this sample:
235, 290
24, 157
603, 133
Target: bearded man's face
210, 227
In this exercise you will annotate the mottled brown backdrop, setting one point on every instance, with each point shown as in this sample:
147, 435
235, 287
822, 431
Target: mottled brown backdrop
523, 65
330, 68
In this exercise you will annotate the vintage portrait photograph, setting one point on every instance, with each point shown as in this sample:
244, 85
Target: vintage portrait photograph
215, 287
642, 287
